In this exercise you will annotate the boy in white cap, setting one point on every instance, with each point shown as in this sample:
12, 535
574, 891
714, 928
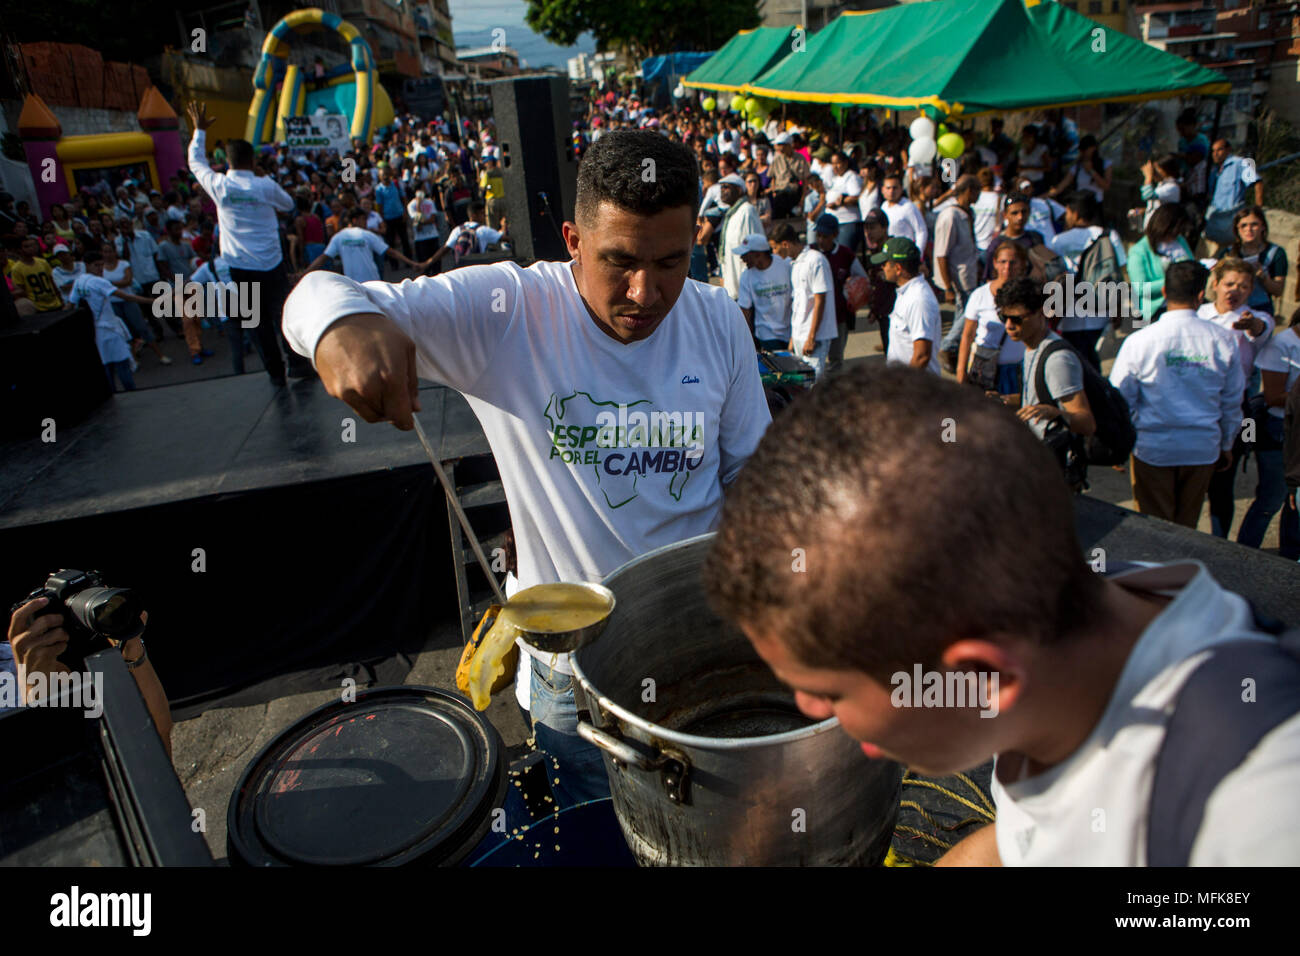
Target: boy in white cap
765, 293
813, 325
740, 220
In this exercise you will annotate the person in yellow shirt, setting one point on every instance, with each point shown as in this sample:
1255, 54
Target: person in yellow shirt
34, 279
492, 184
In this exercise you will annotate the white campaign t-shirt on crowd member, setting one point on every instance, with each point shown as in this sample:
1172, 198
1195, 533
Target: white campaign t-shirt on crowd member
837, 187
1046, 819
809, 274
246, 207
357, 248
606, 450
111, 335
915, 317
1183, 381
769, 293
1282, 354
989, 330
1248, 346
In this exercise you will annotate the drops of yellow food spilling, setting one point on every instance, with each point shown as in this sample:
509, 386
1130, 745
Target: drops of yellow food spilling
541, 609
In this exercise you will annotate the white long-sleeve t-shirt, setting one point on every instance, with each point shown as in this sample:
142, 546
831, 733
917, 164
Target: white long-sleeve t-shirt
906, 220
606, 450
1183, 381
246, 207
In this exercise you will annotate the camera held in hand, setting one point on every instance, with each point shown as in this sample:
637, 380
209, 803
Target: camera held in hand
93, 615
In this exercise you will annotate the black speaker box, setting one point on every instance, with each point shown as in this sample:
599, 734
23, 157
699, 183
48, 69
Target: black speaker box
534, 132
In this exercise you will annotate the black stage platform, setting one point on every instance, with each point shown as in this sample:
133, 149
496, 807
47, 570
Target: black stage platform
325, 559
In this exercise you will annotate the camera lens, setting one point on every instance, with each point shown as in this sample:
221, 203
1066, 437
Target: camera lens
112, 612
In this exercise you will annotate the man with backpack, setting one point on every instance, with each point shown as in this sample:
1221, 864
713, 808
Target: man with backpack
1183, 380
1112, 701
1053, 400
1096, 256
471, 236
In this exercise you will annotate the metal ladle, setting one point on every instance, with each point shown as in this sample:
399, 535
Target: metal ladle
555, 642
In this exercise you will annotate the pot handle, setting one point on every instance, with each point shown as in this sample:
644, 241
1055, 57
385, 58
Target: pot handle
614, 747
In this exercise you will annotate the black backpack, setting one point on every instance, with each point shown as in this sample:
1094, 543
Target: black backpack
1113, 441
1213, 730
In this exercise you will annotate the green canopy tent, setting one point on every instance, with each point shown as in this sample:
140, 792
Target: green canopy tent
741, 59
963, 58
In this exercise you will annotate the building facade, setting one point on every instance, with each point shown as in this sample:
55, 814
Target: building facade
1256, 45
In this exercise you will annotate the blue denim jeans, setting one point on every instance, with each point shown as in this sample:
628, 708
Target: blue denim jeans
820, 353
1270, 495
122, 370
850, 235
952, 341
581, 768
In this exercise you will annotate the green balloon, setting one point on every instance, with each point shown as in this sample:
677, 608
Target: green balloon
951, 145
942, 129
709, 104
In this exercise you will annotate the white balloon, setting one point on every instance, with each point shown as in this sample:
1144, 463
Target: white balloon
922, 128
680, 91
922, 150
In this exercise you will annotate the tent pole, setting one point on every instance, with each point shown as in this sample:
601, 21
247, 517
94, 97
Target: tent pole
1118, 126
1218, 115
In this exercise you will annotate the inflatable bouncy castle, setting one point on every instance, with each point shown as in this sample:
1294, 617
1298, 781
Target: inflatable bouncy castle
63, 165
351, 89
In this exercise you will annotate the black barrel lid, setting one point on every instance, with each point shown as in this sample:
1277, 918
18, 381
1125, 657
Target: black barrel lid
403, 774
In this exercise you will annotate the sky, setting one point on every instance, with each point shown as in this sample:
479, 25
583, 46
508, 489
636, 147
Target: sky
472, 22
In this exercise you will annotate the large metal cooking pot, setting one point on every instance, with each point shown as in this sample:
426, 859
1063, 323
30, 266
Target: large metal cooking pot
709, 760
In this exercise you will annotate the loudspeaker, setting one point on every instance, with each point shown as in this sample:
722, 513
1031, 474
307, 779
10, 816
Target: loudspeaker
534, 132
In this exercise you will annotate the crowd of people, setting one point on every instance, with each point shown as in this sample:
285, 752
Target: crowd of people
804, 233
424, 195
881, 234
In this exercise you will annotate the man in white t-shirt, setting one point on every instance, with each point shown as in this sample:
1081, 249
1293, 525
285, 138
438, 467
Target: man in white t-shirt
813, 323
1183, 381
914, 323
765, 293
905, 219
1067, 676
619, 399
356, 247
471, 236
112, 338
843, 191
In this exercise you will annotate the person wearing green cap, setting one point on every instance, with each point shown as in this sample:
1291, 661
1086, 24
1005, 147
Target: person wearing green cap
914, 323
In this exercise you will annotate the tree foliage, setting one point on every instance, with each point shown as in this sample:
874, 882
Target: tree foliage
643, 27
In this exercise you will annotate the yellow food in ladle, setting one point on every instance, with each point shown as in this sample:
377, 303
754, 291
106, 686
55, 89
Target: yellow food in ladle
542, 609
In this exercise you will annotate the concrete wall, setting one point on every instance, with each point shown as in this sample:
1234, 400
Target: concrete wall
78, 121
1284, 91
1284, 229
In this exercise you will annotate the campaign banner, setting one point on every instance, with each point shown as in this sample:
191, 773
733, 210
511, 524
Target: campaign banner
327, 131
